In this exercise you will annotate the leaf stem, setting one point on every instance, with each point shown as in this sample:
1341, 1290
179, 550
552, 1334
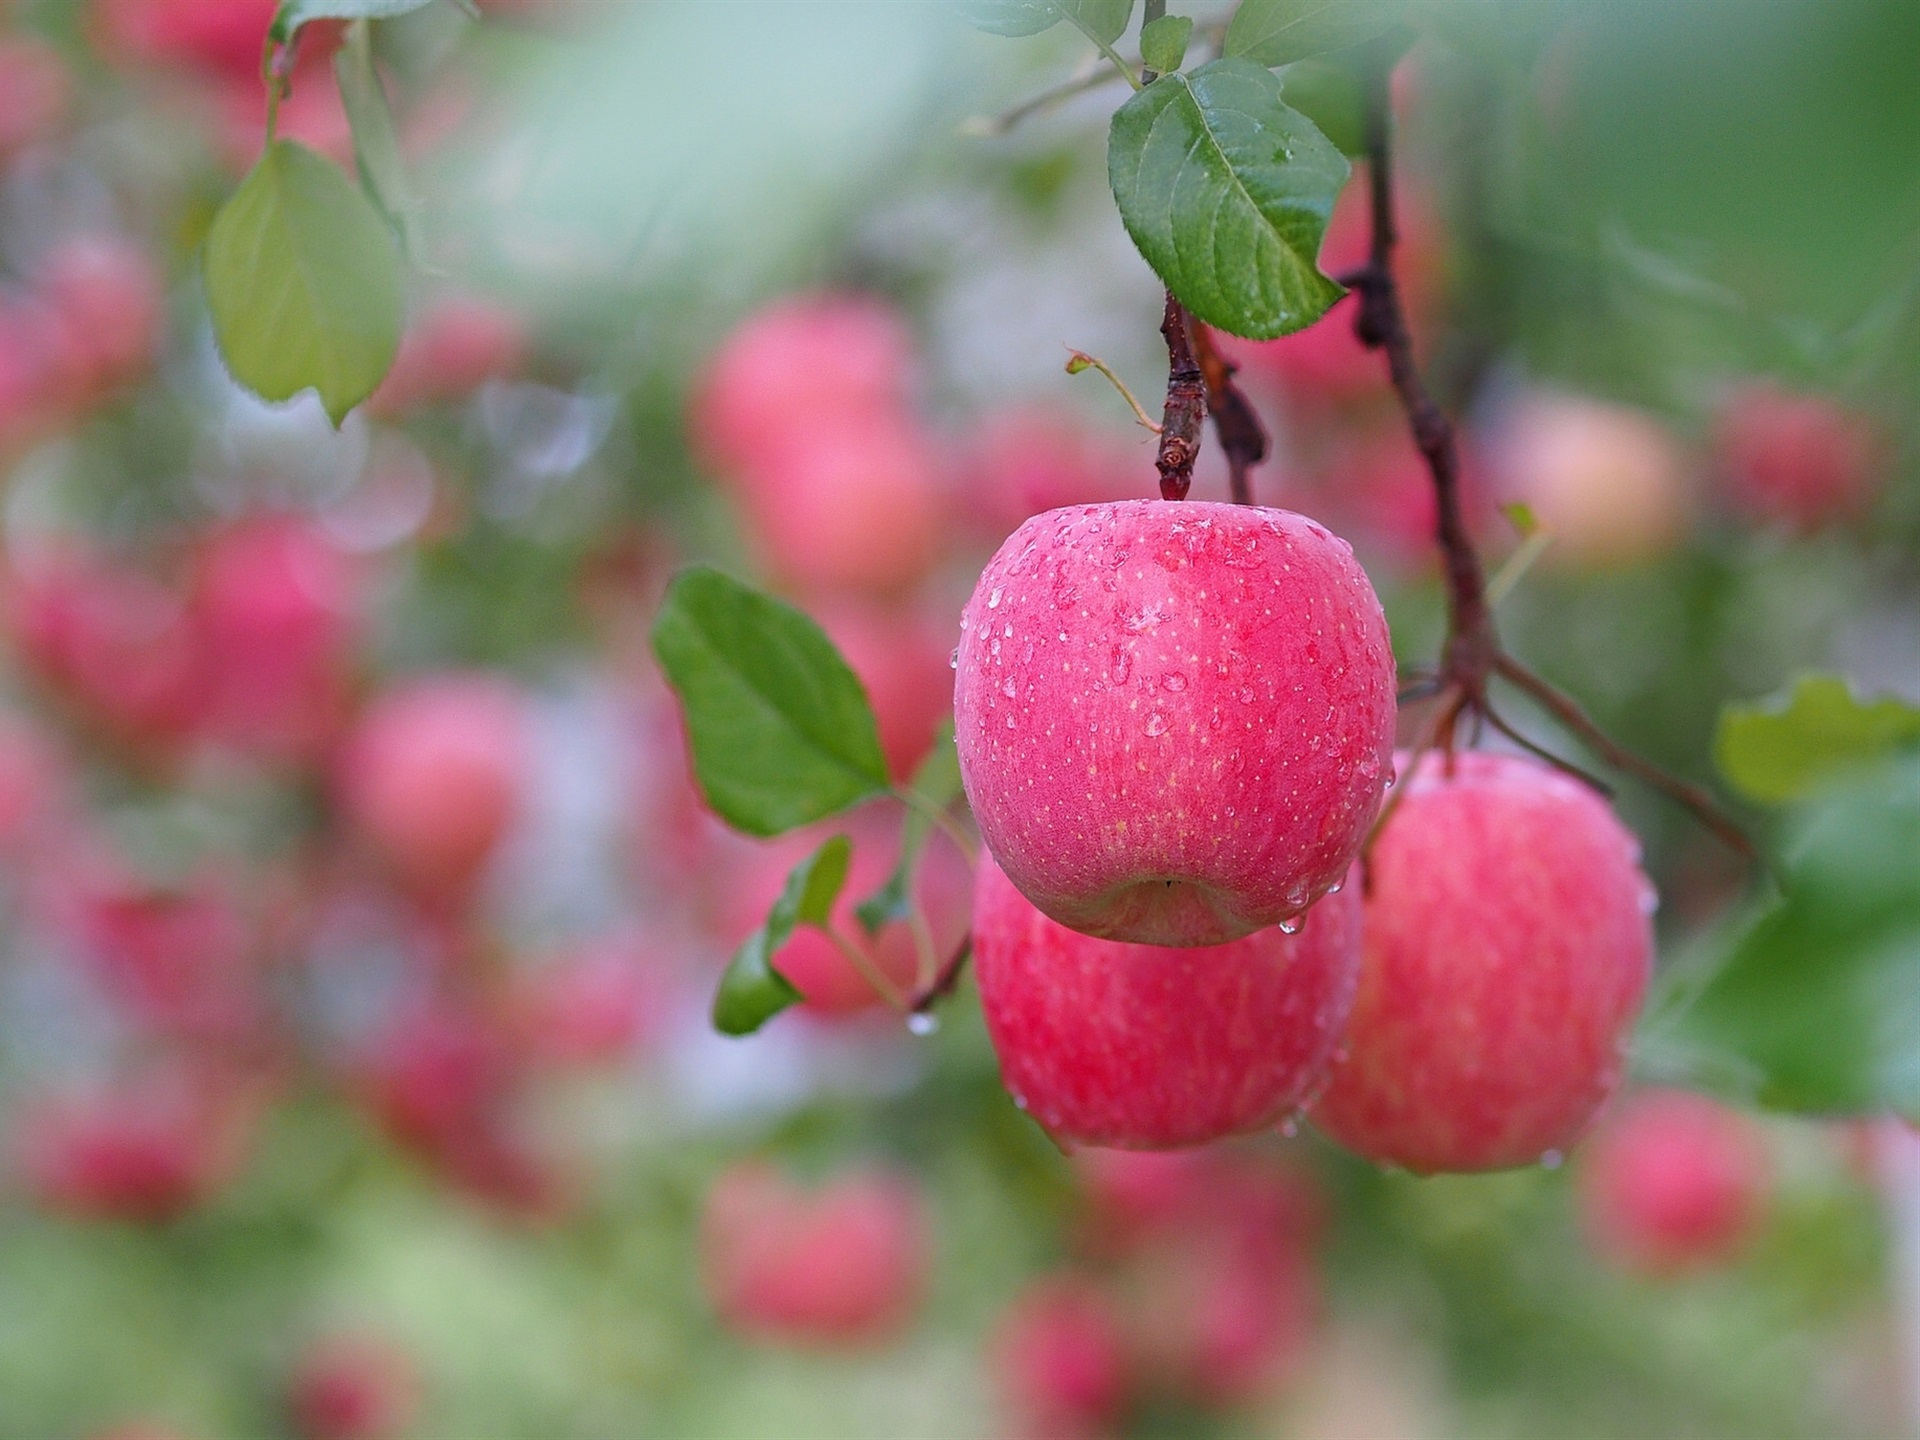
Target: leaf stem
1079, 360
869, 971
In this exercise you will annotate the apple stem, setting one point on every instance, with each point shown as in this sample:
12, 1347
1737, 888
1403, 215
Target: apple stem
1186, 409
1471, 656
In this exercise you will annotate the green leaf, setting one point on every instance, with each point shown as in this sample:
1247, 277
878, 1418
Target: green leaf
1813, 1004
1332, 94
1279, 32
1101, 21
1226, 192
937, 782
376, 144
781, 730
292, 14
752, 991
303, 283
1782, 748
1163, 44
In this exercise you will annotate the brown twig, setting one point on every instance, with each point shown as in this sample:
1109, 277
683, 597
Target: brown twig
1471, 656
1566, 710
1243, 439
1186, 410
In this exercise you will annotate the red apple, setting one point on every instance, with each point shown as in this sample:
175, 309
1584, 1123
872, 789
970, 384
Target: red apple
146, 1149
845, 503
353, 1387
842, 1264
1060, 1353
110, 642
180, 961
1175, 721
1798, 460
1155, 1047
1610, 482
226, 36
795, 365
274, 602
1508, 944
108, 303
589, 1006
434, 774
1671, 1182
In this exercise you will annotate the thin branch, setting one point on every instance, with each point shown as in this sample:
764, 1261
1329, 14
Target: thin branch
1092, 76
1565, 709
1540, 752
1186, 411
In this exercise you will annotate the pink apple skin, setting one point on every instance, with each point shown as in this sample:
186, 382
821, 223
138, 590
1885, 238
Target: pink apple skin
1801, 461
146, 1149
107, 299
843, 1264
1060, 1354
274, 602
224, 36
805, 360
845, 503
433, 775
1609, 481
1175, 720
1671, 1182
1149, 1047
1508, 944
353, 1387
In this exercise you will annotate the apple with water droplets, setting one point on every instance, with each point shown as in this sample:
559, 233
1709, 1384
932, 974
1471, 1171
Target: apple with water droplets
1155, 1047
1175, 720
1508, 942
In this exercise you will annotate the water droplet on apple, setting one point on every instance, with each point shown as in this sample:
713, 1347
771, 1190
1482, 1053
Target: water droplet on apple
1156, 724
953, 660
1008, 689
1175, 682
993, 600
922, 1023
1290, 927
1552, 1160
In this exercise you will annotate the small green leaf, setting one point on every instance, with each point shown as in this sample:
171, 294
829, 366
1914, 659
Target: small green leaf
1226, 192
1813, 1003
781, 730
303, 283
292, 14
1782, 748
937, 782
376, 144
751, 991
1163, 44
1102, 21
1279, 32
1520, 515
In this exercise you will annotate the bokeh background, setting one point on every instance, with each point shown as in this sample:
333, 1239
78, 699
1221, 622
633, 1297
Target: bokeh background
360, 918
